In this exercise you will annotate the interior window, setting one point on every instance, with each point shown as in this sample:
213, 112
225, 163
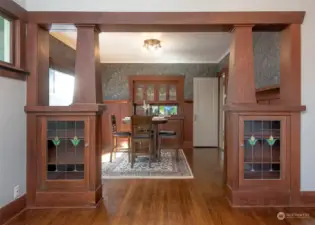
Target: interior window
163, 110
5, 40
61, 87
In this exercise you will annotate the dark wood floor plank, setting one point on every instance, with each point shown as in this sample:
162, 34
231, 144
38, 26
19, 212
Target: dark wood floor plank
198, 201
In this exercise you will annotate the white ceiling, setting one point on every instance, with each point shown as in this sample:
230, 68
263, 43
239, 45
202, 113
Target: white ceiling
177, 47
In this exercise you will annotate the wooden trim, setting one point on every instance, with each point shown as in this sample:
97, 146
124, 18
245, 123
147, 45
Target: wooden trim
68, 199
116, 101
268, 93
166, 28
258, 198
290, 65
187, 144
169, 18
151, 77
11, 210
84, 108
188, 101
19, 43
13, 9
127, 101
263, 108
12, 73
13, 68
307, 199
267, 88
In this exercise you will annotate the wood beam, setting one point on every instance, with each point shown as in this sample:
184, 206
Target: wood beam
241, 83
88, 87
290, 65
169, 18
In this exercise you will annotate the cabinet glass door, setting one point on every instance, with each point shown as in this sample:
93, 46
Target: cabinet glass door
65, 150
262, 149
172, 93
162, 92
150, 93
139, 92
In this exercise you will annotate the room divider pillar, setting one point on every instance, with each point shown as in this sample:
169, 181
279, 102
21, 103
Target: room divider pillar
262, 141
64, 147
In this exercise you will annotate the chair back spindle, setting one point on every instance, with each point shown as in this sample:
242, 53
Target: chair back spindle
114, 124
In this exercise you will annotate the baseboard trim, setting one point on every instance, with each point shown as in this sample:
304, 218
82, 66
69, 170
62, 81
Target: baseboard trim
187, 144
307, 198
12, 210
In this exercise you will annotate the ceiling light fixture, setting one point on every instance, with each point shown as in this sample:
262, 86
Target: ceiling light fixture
152, 44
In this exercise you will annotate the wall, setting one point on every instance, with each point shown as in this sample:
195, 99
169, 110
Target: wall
21, 2
308, 47
266, 58
12, 138
115, 76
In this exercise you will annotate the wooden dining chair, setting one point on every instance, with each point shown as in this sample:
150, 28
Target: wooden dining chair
168, 134
141, 133
115, 137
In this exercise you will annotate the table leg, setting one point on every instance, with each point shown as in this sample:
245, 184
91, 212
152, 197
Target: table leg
154, 140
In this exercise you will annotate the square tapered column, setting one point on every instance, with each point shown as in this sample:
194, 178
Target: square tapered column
87, 73
241, 84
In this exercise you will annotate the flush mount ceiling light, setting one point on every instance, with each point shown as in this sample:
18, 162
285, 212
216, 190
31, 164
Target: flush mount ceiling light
152, 44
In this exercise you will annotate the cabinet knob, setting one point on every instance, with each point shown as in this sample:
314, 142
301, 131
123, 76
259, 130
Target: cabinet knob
242, 145
87, 145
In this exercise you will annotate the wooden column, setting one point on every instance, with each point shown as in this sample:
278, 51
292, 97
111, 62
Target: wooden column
290, 65
241, 83
88, 87
290, 94
38, 65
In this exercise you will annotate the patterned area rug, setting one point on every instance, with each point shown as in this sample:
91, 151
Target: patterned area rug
168, 168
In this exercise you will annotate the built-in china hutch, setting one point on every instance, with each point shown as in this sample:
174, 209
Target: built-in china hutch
165, 97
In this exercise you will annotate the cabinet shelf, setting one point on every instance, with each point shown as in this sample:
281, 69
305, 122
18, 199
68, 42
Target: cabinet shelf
68, 157
56, 175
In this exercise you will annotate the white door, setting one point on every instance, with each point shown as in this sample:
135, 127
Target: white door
206, 117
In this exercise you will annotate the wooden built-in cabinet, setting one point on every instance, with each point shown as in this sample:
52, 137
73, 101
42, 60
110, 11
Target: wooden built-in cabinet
68, 153
259, 162
165, 94
157, 91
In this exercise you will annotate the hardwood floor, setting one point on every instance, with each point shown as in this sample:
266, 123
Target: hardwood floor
199, 201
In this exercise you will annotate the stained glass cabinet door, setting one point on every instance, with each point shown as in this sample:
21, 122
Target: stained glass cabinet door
65, 150
263, 150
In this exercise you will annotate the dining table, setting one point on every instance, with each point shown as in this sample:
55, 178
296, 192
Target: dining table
156, 121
